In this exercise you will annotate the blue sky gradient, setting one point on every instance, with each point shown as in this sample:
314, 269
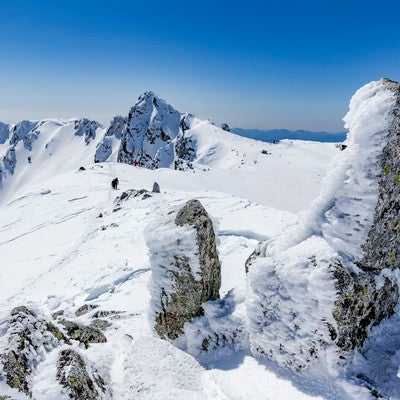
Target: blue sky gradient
253, 64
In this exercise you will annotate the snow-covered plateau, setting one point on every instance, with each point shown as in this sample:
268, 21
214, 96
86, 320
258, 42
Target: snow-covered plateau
250, 270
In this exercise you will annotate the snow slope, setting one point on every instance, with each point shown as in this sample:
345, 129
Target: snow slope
62, 245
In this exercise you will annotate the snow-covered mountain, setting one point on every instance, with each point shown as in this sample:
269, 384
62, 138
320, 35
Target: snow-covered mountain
251, 270
152, 135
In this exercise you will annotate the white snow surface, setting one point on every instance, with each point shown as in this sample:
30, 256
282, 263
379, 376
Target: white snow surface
62, 246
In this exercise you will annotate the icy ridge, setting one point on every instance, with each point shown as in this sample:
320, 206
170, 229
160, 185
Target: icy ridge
307, 296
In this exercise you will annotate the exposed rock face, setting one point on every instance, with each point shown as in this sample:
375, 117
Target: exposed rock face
111, 139
328, 281
153, 135
84, 334
194, 214
86, 128
382, 247
148, 136
80, 380
360, 304
130, 194
185, 268
29, 339
25, 131
225, 127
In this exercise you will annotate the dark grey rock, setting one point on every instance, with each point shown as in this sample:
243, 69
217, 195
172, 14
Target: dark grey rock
156, 188
360, 304
86, 128
130, 194
82, 333
85, 309
81, 381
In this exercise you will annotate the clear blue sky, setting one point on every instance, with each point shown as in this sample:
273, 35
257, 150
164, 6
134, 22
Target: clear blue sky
252, 64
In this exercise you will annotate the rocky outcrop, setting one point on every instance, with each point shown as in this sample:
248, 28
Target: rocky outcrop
86, 128
186, 271
28, 339
25, 131
152, 125
79, 379
329, 281
128, 195
153, 135
111, 139
84, 334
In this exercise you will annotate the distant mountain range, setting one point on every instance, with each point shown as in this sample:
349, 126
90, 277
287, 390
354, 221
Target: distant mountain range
272, 135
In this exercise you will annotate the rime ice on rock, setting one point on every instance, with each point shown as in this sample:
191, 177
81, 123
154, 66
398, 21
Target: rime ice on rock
326, 283
185, 268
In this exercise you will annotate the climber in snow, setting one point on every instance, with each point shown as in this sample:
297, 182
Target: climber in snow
114, 183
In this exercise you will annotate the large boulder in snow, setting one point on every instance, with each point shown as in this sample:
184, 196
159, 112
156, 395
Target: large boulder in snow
327, 282
186, 271
26, 338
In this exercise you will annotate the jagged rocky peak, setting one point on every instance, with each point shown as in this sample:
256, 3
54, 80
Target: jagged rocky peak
151, 128
153, 135
5, 130
325, 284
186, 271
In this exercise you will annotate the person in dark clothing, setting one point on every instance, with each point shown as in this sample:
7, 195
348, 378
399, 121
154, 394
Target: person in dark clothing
114, 183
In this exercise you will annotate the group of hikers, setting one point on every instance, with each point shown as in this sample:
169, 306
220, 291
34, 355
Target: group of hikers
115, 182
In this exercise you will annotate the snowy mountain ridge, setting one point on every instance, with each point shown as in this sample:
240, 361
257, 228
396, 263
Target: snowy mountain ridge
250, 270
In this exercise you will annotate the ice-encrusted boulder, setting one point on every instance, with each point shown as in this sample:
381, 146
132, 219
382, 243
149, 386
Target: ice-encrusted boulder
26, 338
78, 377
319, 289
186, 271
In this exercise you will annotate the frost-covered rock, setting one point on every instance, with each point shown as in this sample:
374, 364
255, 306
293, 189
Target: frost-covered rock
25, 131
111, 141
153, 135
86, 128
26, 338
78, 377
185, 268
325, 283
150, 130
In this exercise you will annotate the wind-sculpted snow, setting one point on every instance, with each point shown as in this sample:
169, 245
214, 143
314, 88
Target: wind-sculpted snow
312, 289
